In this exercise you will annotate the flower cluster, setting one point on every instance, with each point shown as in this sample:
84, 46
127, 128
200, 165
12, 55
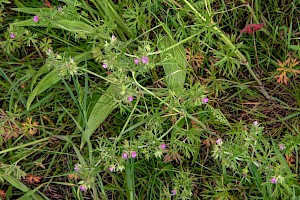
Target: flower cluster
133, 155
144, 60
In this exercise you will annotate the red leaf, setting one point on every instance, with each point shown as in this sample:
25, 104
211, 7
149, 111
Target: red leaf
251, 28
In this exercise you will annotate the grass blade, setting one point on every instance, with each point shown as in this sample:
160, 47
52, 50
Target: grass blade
104, 106
18, 184
175, 64
50, 79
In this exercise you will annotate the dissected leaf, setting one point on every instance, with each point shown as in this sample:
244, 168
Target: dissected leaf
285, 68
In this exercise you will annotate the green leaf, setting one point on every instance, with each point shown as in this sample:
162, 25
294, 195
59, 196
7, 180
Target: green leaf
29, 194
174, 63
18, 4
72, 26
75, 26
31, 10
110, 11
30, 22
18, 184
44, 69
3, 74
104, 106
295, 47
50, 79
83, 56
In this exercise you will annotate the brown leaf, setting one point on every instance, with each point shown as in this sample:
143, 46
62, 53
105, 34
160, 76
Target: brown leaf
30, 178
172, 156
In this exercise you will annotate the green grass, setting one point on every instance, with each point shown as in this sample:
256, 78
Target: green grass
77, 104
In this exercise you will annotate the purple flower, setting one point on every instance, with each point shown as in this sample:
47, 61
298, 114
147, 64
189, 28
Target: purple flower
174, 192
273, 180
76, 168
36, 18
124, 155
12, 35
49, 50
281, 146
163, 146
113, 38
111, 168
82, 188
133, 154
104, 66
59, 8
219, 141
255, 123
145, 59
205, 100
130, 98
136, 61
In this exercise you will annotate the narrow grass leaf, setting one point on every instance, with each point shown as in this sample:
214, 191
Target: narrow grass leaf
110, 11
23, 100
44, 69
50, 79
75, 26
129, 179
32, 10
104, 106
174, 64
29, 194
18, 4
18, 184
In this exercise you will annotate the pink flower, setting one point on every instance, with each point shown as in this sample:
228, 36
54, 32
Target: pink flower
174, 192
124, 155
163, 146
273, 180
111, 168
113, 38
219, 141
104, 66
82, 188
76, 168
130, 98
255, 123
281, 146
136, 61
12, 35
205, 100
36, 18
145, 59
133, 154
